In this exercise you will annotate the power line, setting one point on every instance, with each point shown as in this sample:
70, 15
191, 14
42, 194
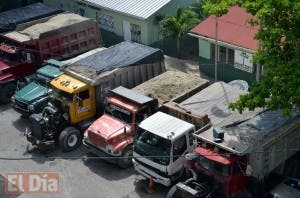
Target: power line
121, 157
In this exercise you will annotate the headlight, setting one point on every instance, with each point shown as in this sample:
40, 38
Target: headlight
31, 107
13, 100
110, 148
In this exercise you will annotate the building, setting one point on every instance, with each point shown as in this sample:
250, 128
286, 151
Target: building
236, 46
135, 20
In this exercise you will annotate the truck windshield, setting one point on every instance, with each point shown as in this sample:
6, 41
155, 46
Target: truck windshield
62, 94
42, 79
119, 112
8, 57
153, 146
213, 166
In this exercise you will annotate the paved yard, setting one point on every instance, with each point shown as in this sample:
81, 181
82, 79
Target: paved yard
78, 178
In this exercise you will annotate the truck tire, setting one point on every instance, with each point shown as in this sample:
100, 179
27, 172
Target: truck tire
126, 158
7, 92
69, 139
172, 193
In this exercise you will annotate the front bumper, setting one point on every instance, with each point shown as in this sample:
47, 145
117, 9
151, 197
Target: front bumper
24, 112
151, 174
92, 149
43, 145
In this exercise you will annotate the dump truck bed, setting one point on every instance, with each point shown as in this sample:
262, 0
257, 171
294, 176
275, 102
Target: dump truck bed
127, 64
213, 101
171, 85
268, 137
48, 27
11, 18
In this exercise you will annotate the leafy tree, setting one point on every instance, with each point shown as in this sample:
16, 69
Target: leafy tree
279, 52
198, 9
177, 26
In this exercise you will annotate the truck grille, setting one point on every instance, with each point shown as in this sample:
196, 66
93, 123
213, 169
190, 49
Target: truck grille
22, 105
96, 139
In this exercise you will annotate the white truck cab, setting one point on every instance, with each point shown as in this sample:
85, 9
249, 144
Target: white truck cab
161, 141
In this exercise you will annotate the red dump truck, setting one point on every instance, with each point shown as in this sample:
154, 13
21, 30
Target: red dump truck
60, 36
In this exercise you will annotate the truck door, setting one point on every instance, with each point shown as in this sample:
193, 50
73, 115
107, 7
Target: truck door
179, 149
82, 105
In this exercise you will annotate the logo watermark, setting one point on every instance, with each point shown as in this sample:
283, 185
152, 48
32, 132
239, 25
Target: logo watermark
32, 183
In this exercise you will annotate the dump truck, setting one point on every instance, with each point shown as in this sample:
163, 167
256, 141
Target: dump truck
23, 51
111, 135
236, 156
11, 18
79, 95
163, 138
34, 96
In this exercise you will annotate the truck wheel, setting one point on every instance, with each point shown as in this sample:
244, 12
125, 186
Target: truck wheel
7, 92
126, 159
173, 193
69, 139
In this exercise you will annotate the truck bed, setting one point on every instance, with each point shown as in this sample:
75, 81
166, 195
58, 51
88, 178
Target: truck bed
267, 136
11, 18
125, 64
170, 85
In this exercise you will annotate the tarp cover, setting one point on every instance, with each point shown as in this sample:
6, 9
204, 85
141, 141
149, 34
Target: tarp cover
11, 18
117, 56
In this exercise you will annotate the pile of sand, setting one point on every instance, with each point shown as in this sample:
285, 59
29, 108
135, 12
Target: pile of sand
169, 85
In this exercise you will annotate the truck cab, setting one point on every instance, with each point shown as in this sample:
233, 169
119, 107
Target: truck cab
160, 143
14, 64
61, 121
34, 96
112, 134
220, 173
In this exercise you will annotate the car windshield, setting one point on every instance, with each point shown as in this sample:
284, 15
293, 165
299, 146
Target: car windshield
119, 112
213, 166
62, 94
154, 146
8, 56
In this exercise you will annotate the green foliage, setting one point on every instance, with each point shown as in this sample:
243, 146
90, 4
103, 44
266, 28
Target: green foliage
177, 26
197, 8
279, 52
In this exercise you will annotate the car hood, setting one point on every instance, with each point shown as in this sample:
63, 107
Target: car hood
31, 92
107, 125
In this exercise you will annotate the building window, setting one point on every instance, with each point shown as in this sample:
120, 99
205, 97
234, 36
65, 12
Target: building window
230, 56
225, 55
222, 54
135, 32
105, 22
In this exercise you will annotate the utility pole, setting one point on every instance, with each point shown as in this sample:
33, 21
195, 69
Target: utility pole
216, 48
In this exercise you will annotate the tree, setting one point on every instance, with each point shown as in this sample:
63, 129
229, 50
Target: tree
279, 52
177, 26
198, 9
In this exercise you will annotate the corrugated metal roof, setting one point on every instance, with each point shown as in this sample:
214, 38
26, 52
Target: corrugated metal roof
164, 125
142, 9
233, 28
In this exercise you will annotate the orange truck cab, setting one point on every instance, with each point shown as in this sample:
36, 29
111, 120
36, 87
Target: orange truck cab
112, 134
